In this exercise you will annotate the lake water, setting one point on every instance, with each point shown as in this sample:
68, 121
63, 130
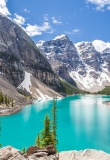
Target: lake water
83, 122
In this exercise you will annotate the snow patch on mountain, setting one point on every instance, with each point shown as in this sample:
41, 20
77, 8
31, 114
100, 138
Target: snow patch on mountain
26, 84
82, 47
37, 89
88, 82
40, 43
60, 37
100, 46
80, 43
41, 94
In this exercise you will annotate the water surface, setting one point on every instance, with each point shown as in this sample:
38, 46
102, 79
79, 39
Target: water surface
83, 122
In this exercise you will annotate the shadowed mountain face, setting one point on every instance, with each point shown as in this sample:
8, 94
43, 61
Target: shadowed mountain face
86, 63
62, 56
18, 53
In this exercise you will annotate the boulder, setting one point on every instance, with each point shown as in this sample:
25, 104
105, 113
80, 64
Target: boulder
50, 150
31, 150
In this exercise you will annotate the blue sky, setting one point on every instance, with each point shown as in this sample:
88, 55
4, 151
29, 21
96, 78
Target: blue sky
81, 20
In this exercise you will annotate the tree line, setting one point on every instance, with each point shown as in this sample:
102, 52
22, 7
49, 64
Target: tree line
4, 99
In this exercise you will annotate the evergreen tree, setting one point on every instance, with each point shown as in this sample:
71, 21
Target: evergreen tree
1, 97
46, 134
38, 143
6, 100
54, 123
12, 103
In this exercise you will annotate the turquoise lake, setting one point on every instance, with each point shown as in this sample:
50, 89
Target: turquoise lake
83, 122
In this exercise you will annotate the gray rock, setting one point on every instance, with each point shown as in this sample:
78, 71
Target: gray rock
84, 155
40, 154
63, 56
9, 153
19, 53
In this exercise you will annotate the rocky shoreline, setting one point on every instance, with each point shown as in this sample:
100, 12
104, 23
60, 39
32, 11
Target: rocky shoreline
6, 110
9, 153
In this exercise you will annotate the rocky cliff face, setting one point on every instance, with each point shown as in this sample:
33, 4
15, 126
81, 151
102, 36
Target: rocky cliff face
86, 63
62, 55
18, 53
30, 87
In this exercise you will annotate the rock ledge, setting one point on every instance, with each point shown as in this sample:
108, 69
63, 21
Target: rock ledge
9, 153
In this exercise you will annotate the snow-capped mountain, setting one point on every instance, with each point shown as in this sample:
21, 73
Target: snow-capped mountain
100, 46
86, 63
62, 55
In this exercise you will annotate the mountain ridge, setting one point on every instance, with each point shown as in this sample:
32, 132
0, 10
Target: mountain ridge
19, 53
19, 57
83, 64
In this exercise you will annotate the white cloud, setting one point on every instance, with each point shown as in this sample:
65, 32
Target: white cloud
55, 21
100, 4
108, 8
74, 31
34, 30
46, 17
26, 10
3, 8
19, 19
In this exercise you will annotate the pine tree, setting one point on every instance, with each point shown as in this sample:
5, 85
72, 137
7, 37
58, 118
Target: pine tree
12, 103
1, 97
46, 134
38, 143
54, 123
6, 100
